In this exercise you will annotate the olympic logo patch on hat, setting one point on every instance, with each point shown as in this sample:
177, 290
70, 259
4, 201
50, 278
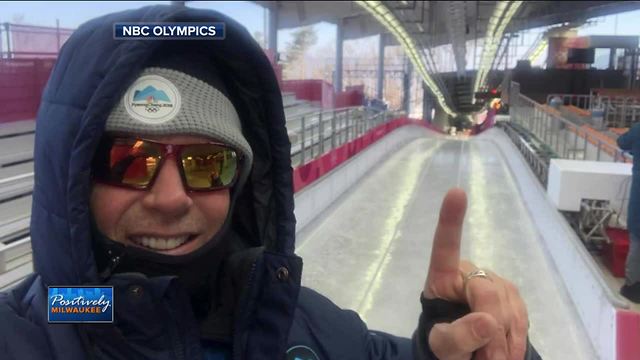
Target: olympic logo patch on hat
152, 99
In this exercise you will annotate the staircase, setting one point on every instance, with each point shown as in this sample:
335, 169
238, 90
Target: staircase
463, 95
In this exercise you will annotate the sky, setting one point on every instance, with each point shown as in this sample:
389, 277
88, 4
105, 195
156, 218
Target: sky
620, 24
73, 13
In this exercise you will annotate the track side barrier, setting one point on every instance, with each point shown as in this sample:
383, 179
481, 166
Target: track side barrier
306, 174
613, 329
322, 181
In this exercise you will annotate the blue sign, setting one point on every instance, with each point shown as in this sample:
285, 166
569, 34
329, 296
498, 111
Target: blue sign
80, 304
169, 31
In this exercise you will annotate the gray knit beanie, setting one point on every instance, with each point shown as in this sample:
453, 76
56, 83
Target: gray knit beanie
166, 101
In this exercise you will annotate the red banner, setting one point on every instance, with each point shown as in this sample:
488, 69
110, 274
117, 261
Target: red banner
627, 335
21, 84
353, 96
312, 90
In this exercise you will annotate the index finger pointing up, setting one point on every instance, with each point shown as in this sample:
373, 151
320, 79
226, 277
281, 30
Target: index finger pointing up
445, 253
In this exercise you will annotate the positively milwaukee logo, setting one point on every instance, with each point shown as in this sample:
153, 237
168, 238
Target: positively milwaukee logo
80, 304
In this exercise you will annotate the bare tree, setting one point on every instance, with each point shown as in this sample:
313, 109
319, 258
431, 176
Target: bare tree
322, 62
302, 40
258, 36
17, 18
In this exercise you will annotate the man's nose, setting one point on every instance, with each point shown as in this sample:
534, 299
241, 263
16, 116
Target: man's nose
168, 195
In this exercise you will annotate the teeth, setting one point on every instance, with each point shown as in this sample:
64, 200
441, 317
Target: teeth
160, 243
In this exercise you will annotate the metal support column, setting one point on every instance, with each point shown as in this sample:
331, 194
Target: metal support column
321, 133
303, 140
337, 84
273, 28
333, 130
612, 59
58, 34
381, 66
7, 32
406, 87
634, 69
349, 125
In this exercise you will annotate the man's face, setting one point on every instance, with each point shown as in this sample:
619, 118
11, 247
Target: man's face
165, 218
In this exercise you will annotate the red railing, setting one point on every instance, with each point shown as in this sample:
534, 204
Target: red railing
322, 92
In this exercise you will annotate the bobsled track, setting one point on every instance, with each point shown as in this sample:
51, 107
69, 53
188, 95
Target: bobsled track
369, 251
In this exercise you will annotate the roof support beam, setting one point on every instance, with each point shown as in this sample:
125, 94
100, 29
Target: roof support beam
337, 83
456, 27
503, 12
380, 74
273, 28
389, 21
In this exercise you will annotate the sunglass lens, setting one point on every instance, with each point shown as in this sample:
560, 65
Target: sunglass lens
133, 162
209, 166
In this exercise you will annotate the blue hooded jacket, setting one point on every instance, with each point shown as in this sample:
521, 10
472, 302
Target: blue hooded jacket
630, 141
273, 318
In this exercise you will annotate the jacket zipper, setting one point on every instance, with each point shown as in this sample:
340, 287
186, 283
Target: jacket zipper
178, 346
238, 343
87, 343
114, 261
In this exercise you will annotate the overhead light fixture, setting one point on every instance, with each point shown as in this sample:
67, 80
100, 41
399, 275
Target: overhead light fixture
420, 27
504, 10
381, 13
538, 51
488, 43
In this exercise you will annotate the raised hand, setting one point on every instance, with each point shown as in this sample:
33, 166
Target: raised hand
496, 328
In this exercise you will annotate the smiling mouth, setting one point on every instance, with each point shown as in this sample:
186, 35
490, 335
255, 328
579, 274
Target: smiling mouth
159, 243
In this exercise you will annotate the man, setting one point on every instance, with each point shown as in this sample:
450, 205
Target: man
630, 141
130, 137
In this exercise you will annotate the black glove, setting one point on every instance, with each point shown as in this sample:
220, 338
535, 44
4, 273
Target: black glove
436, 311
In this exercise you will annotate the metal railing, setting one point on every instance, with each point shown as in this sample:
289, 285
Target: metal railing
568, 140
580, 101
37, 41
622, 112
538, 162
618, 111
536, 124
316, 133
